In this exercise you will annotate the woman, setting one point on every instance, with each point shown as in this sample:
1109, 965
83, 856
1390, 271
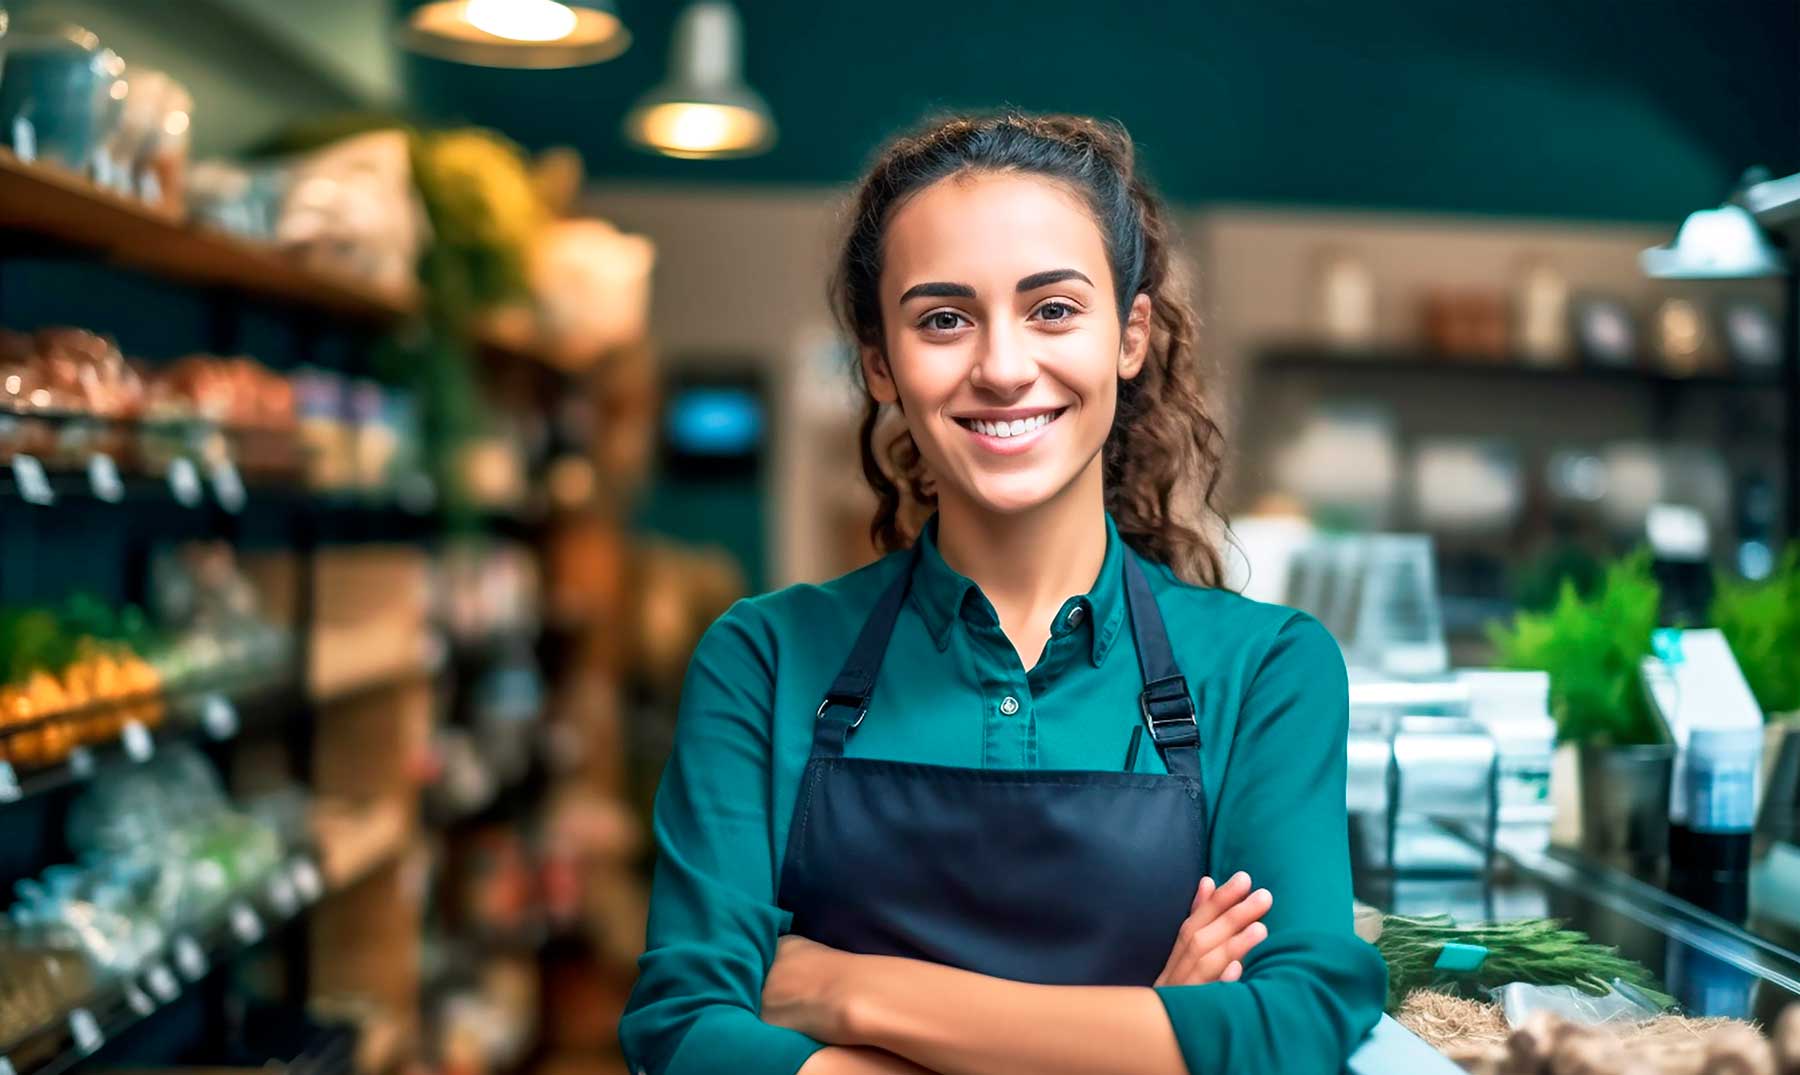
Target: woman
938, 814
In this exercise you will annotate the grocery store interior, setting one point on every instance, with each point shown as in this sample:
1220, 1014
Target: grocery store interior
393, 392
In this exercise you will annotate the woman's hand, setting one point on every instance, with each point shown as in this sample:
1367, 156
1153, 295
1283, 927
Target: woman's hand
808, 989
1222, 925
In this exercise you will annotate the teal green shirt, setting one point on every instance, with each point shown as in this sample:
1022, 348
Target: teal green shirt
1273, 711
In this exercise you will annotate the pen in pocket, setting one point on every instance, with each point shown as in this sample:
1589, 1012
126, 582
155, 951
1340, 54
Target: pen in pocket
1137, 733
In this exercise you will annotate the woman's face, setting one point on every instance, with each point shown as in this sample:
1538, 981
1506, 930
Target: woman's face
1004, 346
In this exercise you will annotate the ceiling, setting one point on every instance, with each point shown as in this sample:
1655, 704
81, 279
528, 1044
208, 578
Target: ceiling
1606, 109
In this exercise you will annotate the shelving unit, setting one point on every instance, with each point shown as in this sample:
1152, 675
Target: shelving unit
351, 717
56, 209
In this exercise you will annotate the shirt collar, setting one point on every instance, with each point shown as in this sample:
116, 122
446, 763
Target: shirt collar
944, 595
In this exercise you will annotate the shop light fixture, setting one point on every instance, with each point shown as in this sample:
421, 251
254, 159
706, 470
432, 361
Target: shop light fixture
704, 110
537, 34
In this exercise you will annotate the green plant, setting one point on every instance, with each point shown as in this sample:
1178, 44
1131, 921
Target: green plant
1592, 648
1536, 950
1761, 620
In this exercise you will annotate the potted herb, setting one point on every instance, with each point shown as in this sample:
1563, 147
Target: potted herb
1592, 647
1761, 620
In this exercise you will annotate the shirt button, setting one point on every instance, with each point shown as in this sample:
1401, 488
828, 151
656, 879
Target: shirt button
1074, 616
1009, 705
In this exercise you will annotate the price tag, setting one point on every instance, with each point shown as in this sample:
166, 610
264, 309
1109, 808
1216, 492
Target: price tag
244, 924
10, 792
219, 716
184, 482
34, 484
81, 762
282, 896
6, 1066
138, 744
162, 983
85, 1030
103, 478
190, 960
228, 486
307, 883
138, 1000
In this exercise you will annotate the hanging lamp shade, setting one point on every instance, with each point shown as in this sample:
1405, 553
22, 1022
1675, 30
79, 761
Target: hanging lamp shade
536, 34
704, 110
1714, 244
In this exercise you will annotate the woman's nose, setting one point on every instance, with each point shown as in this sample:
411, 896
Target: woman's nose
1005, 364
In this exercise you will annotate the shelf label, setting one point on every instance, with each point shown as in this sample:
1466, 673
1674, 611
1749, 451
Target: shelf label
228, 485
103, 478
85, 1030
282, 895
81, 762
162, 983
138, 1000
184, 482
6, 1066
307, 883
138, 744
245, 925
190, 960
10, 792
34, 484
219, 716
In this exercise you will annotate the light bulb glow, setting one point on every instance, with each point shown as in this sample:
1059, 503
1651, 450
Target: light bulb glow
521, 20
693, 129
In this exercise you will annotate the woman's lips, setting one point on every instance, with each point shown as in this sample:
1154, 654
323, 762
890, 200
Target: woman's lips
1012, 445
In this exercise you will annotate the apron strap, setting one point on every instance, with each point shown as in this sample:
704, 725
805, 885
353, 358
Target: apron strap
847, 701
1168, 709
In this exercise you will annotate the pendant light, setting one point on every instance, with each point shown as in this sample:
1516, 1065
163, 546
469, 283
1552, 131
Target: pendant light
703, 110
536, 34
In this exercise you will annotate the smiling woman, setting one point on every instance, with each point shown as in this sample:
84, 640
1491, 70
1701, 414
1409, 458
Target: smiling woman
895, 833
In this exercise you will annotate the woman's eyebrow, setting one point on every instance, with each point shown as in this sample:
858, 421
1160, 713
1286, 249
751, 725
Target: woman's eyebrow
1051, 276
938, 289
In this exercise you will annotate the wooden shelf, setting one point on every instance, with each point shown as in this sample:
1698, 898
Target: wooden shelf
1309, 358
66, 209
62, 209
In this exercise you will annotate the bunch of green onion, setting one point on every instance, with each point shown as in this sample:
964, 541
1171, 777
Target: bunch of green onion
1539, 951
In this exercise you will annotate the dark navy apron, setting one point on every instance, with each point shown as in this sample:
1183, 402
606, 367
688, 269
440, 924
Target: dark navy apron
1051, 876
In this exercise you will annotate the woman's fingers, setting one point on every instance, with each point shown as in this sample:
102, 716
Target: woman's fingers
1201, 954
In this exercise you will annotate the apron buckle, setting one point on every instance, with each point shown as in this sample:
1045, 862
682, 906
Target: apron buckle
1166, 705
861, 707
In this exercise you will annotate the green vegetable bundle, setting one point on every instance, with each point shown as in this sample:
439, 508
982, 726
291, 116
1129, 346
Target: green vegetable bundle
1538, 951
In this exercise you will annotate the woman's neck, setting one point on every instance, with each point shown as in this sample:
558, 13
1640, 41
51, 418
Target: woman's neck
1029, 563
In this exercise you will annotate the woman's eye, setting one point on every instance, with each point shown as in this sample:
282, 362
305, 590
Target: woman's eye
1055, 311
941, 321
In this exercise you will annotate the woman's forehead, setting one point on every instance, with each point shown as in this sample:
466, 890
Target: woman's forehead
989, 229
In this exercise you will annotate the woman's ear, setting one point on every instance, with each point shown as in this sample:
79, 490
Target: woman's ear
876, 374
1134, 345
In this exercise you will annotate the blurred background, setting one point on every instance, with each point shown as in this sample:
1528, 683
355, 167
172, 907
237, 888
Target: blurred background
391, 393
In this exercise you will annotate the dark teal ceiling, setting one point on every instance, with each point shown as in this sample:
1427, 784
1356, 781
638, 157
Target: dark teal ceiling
1607, 109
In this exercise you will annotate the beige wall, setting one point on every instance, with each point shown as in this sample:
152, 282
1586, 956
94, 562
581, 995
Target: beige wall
741, 274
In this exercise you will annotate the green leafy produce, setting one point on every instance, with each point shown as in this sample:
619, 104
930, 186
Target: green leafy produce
1539, 951
1761, 620
1592, 646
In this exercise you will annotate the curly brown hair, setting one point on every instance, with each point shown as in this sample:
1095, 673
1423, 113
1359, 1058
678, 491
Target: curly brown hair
1164, 456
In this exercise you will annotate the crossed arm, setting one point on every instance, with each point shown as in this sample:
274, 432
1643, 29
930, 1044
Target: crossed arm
887, 1015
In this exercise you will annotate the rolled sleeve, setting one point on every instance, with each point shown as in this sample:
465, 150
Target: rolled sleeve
713, 923
1312, 989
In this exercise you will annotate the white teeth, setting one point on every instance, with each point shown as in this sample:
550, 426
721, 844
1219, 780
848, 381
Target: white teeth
1011, 429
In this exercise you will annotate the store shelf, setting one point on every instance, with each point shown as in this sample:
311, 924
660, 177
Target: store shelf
217, 711
62, 209
117, 1005
1312, 358
65, 209
354, 841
